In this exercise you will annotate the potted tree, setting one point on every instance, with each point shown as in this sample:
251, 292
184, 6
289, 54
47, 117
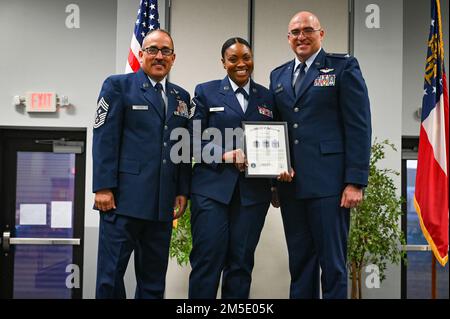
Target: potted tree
375, 237
181, 242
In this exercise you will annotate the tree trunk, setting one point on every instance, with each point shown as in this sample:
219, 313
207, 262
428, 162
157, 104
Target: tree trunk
354, 281
359, 283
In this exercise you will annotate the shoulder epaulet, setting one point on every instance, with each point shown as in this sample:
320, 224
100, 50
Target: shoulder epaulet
283, 65
338, 55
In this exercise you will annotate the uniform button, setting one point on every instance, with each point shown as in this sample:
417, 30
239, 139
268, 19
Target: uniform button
166, 127
296, 142
164, 161
165, 144
296, 109
295, 125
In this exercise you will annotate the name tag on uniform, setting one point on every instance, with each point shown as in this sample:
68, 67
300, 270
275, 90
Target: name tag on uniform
140, 107
217, 109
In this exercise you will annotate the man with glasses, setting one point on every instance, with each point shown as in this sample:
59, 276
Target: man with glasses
138, 189
324, 100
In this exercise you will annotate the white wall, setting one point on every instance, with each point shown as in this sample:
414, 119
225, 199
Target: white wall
380, 53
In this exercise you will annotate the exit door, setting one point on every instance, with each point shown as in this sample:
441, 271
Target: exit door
41, 215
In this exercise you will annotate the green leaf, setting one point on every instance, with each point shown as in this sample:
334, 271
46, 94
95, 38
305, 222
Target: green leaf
375, 236
181, 241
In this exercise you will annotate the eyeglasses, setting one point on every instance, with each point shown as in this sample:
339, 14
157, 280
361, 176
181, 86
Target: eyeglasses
154, 51
307, 32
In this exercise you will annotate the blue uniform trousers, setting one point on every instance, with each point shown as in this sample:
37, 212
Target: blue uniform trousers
119, 236
224, 239
316, 232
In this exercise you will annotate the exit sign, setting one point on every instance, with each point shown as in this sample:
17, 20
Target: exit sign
41, 102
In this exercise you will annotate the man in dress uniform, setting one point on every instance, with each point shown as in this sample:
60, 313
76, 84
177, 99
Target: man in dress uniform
138, 189
324, 100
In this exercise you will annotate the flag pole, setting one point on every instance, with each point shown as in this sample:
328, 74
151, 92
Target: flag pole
433, 277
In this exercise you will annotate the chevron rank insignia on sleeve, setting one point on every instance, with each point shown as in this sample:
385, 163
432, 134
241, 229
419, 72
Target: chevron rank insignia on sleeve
192, 109
100, 114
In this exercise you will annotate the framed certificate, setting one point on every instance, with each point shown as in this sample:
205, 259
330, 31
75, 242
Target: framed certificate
266, 146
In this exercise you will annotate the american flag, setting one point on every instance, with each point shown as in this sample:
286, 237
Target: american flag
147, 20
431, 194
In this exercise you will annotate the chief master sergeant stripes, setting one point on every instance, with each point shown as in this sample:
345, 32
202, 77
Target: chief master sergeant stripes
100, 115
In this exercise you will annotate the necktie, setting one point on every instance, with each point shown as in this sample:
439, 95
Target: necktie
159, 91
246, 97
300, 78
243, 92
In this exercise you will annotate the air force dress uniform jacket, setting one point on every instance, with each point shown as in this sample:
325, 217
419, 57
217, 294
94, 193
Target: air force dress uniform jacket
329, 125
216, 106
131, 146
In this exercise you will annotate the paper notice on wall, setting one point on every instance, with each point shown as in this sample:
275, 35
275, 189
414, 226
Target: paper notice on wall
61, 214
33, 214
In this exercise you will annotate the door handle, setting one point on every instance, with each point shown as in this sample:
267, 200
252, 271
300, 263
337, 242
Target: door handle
8, 241
416, 247
5, 241
45, 241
